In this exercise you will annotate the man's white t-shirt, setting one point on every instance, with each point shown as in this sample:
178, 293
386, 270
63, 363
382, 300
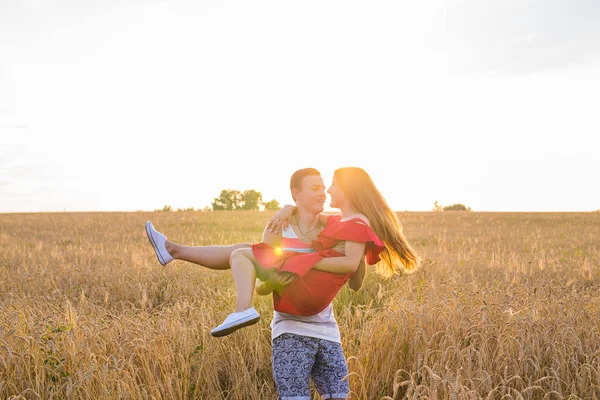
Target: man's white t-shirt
322, 325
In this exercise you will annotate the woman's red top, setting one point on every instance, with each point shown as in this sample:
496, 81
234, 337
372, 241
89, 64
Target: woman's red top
314, 290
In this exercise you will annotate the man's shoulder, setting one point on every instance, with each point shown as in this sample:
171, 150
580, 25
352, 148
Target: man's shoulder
271, 238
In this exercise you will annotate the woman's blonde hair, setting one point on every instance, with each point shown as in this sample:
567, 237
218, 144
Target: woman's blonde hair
365, 198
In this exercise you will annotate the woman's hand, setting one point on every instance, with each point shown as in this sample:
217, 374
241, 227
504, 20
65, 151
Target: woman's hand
281, 219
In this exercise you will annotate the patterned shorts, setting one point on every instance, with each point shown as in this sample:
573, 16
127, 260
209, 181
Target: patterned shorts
296, 358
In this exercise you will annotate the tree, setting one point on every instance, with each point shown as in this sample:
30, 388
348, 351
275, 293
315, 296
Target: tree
227, 200
272, 205
457, 207
437, 206
251, 200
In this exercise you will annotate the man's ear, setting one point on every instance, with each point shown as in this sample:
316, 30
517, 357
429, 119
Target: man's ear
295, 193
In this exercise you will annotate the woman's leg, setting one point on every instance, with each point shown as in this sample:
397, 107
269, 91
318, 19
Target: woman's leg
212, 257
245, 270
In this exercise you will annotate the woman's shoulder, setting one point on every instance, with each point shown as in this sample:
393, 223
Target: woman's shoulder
358, 218
355, 228
332, 218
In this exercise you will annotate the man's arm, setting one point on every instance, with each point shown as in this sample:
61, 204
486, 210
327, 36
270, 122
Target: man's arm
276, 281
345, 264
284, 216
271, 238
356, 281
267, 287
262, 288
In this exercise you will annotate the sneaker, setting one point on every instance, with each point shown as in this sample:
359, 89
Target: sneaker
157, 240
235, 321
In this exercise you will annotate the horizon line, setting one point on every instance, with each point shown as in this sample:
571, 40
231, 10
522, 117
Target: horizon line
325, 211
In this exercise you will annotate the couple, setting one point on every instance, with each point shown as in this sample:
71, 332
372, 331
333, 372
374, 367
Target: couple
304, 266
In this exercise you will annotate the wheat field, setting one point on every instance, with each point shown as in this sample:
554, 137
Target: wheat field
505, 306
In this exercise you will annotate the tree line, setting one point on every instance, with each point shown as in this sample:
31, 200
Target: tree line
231, 200
248, 200
454, 207
252, 200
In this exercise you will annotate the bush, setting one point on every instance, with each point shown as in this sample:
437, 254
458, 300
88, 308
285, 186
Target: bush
457, 207
454, 207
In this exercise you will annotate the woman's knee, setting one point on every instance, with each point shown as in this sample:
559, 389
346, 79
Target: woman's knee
241, 253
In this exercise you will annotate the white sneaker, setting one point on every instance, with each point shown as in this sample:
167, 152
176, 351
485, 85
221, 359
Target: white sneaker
235, 321
157, 240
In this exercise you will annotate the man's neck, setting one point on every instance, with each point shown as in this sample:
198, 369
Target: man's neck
306, 219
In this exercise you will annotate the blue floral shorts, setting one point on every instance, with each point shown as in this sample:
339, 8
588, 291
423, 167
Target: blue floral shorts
297, 358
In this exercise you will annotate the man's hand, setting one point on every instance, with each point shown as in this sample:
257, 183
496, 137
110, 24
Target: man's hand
356, 281
277, 280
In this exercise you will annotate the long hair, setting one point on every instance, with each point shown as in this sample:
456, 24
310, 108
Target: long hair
398, 256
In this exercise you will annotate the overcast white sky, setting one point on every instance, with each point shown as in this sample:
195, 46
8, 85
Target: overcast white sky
132, 105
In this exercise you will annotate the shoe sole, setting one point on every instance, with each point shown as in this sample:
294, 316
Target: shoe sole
231, 329
151, 239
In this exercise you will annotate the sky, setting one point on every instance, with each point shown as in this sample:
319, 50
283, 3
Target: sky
132, 105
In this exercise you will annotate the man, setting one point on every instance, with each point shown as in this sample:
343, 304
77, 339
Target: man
304, 347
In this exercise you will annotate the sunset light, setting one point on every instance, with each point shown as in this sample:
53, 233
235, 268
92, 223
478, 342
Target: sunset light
170, 226
123, 107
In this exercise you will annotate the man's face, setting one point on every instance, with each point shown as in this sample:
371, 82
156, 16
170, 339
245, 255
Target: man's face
311, 196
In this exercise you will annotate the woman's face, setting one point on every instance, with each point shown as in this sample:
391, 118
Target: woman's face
337, 195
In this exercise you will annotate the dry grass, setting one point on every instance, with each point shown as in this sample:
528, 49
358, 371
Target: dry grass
507, 305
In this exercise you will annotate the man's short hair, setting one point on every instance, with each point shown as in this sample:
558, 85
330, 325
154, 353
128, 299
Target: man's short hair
298, 177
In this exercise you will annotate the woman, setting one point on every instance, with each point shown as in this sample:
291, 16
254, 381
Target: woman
367, 225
